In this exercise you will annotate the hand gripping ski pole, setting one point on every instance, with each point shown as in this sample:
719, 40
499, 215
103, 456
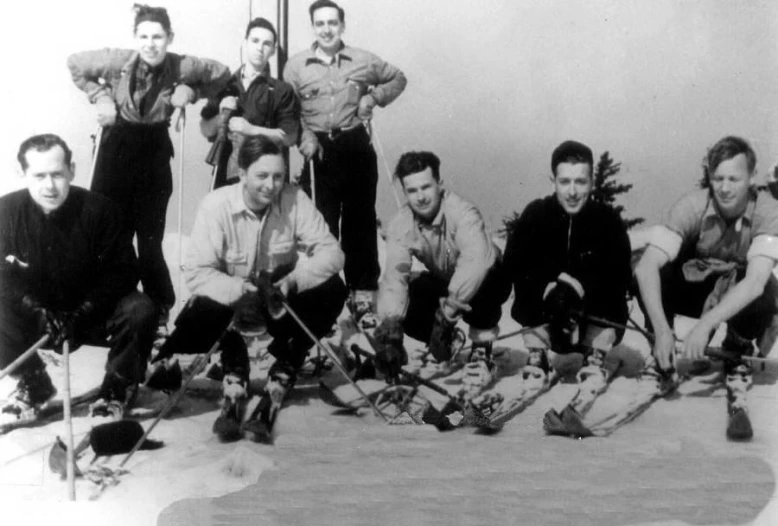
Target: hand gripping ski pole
329, 352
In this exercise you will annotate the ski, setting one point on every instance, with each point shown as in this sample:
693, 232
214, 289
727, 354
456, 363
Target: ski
510, 408
259, 426
50, 412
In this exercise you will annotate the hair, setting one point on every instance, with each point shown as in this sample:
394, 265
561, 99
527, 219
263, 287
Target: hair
263, 23
415, 162
726, 149
42, 143
318, 4
255, 147
572, 152
147, 13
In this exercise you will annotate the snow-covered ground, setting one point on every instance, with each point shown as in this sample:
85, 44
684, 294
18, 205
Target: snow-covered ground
672, 466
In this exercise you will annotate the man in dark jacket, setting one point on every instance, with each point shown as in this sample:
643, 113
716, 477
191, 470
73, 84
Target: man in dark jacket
67, 271
569, 258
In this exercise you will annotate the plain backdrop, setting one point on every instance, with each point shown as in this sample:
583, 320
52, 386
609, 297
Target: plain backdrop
493, 87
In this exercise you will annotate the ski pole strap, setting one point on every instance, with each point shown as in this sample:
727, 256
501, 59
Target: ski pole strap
24, 356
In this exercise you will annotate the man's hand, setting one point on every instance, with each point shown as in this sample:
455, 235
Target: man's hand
562, 304
365, 109
47, 320
240, 125
696, 341
442, 336
664, 347
106, 111
310, 147
182, 95
228, 103
274, 294
390, 353
79, 323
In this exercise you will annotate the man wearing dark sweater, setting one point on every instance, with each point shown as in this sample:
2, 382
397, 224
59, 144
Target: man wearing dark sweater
66, 271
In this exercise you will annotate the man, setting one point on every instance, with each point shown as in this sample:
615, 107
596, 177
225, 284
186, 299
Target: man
464, 278
243, 259
339, 86
253, 103
713, 258
68, 272
568, 257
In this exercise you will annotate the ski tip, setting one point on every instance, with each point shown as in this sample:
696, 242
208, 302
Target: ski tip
739, 428
258, 432
552, 423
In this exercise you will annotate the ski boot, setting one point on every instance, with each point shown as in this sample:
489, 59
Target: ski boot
259, 426
227, 425
592, 380
739, 378
478, 374
33, 390
360, 303
537, 370
116, 396
432, 368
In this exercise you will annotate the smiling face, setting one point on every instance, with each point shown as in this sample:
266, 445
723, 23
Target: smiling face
263, 181
730, 184
260, 46
48, 177
572, 185
152, 41
328, 29
424, 194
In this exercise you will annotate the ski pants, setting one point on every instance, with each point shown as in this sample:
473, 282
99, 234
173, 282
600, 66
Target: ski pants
133, 170
425, 292
758, 320
346, 179
204, 320
130, 331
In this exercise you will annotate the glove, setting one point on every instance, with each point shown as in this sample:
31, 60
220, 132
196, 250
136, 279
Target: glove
79, 323
272, 294
310, 146
47, 321
442, 336
562, 304
106, 111
182, 96
365, 109
390, 354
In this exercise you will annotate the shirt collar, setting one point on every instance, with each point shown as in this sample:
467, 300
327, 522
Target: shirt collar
238, 205
317, 56
746, 217
437, 222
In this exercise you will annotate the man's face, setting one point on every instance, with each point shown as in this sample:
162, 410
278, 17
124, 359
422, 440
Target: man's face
572, 186
260, 46
263, 181
424, 194
152, 41
730, 183
48, 177
328, 29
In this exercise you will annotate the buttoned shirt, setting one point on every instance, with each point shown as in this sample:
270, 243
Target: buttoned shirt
229, 241
113, 73
330, 92
455, 247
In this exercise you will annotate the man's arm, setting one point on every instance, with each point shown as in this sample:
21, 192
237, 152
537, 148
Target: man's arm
477, 254
752, 286
650, 285
206, 76
392, 299
388, 82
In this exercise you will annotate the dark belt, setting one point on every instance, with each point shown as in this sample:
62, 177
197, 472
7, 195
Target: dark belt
336, 133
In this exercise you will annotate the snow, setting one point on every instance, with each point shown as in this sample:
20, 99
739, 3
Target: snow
671, 466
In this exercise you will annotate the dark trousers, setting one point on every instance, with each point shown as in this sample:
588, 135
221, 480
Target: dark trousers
425, 291
346, 180
686, 298
131, 328
133, 170
204, 320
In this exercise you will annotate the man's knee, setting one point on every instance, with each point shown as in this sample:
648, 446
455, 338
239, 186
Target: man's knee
138, 309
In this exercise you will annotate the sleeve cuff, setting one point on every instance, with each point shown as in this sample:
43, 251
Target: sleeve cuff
764, 245
665, 240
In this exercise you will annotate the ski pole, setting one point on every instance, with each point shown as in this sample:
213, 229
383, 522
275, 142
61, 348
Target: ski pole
71, 452
329, 352
97, 138
374, 135
313, 181
24, 356
613, 324
181, 390
181, 126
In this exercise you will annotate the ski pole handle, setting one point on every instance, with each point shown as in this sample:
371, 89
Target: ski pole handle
24, 356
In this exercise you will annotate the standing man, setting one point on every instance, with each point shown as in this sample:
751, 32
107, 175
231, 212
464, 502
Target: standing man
569, 257
67, 271
253, 103
339, 86
713, 258
243, 254
464, 278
